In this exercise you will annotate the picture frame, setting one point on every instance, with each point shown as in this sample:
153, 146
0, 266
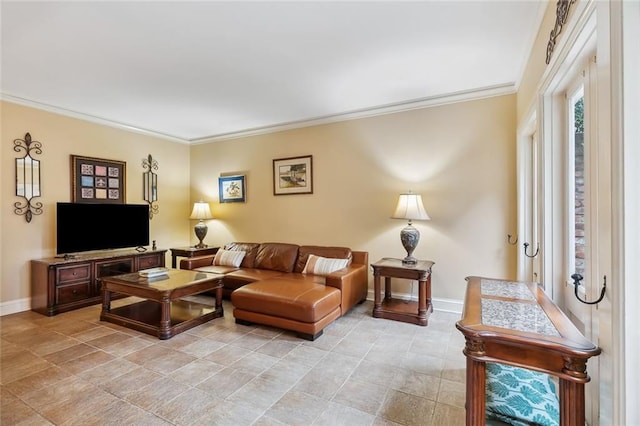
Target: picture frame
293, 175
98, 180
232, 189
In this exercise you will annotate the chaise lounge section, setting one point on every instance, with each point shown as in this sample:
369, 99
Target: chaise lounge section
297, 288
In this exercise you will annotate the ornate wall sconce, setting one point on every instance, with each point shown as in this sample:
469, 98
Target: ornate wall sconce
562, 14
27, 177
150, 185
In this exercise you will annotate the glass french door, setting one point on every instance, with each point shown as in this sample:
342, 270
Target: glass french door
531, 213
588, 215
579, 198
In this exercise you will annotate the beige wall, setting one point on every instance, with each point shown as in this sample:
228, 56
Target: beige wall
536, 65
62, 136
460, 157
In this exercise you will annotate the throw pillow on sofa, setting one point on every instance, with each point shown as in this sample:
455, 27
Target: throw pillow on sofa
229, 258
317, 265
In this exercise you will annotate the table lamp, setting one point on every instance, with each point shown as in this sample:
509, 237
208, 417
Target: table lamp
201, 211
410, 208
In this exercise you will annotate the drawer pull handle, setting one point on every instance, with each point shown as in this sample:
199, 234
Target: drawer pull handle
74, 292
576, 283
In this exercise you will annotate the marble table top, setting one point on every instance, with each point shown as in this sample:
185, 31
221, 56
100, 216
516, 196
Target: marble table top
512, 305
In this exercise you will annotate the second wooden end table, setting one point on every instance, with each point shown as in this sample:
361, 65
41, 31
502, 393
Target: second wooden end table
397, 309
190, 252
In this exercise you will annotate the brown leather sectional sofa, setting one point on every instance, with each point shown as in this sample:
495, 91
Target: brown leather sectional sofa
270, 288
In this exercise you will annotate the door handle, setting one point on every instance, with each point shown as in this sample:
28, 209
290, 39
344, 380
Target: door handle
576, 283
526, 247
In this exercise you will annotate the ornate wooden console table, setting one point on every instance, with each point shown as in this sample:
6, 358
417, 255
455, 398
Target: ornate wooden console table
516, 323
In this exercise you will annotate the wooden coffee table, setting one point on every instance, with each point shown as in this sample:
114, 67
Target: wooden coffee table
167, 309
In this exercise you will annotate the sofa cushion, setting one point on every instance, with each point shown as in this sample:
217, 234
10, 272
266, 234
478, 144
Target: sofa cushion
277, 256
331, 252
300, 301
251, 250
229, 257
216, 269
247, 275
323, 266
300, 277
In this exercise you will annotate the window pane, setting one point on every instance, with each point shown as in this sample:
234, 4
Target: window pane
579, 173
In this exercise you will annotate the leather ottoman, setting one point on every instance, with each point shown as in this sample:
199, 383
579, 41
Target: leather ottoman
304, 307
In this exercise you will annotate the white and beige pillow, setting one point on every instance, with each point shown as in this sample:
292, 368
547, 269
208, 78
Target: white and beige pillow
317, 265
229, 258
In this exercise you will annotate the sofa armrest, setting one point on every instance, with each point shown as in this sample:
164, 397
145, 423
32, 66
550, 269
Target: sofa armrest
353, 282
197, 261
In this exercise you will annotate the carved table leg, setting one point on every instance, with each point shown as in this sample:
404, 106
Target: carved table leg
219, 309
377, 302
164, 331
476, 380
476, 377
422, 302
387, 288
429, 304
106, 301
572, 392
571, 403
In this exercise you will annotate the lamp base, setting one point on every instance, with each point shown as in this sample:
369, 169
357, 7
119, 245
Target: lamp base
409, 260
409, 237
201, 232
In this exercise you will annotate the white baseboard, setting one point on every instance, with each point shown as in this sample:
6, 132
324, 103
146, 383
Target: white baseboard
15, 306
439, 304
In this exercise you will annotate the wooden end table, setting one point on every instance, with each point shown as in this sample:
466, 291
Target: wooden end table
397, 309
190, 252
167, 309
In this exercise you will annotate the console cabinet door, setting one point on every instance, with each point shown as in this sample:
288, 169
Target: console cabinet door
72, 293
73, 273
110, 268
73, 283
151, 260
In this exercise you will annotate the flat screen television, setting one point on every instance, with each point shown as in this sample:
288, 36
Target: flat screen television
86, 227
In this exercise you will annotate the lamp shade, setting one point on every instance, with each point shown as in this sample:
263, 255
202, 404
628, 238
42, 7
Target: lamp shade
201, 211
410, 207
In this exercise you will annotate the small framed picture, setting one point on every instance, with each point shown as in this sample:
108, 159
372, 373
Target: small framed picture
293, 175
96, 180
232, 189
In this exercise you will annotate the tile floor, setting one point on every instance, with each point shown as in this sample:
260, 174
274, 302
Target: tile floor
72, 369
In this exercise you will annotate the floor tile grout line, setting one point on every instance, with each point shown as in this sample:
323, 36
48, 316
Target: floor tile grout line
342, 333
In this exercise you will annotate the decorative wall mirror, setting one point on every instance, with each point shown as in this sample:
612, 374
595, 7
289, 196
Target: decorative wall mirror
150, 185
27, 177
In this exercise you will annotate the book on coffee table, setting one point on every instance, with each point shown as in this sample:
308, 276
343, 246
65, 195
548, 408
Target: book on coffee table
154, 272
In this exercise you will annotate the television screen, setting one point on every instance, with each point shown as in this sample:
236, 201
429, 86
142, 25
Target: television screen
86, 227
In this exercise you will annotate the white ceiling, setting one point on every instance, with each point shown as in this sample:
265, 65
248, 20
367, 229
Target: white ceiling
197, 71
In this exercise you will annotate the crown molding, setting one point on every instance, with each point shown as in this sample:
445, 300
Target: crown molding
427, 102
88, 117
462, 96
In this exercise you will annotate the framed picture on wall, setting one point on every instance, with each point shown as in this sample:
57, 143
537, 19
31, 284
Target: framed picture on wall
293, 175
96, 180
232, 189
